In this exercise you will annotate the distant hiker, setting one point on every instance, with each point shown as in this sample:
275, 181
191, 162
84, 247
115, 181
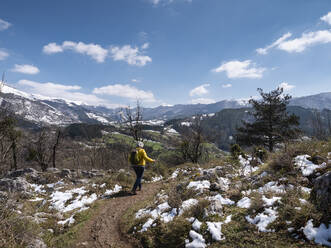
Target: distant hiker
138, 158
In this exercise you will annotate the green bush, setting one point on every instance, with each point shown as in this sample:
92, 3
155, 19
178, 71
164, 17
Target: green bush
236, 150
260, 152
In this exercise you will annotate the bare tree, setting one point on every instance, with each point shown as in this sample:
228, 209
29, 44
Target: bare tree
319, 131
192, 141
134, 121
58, 135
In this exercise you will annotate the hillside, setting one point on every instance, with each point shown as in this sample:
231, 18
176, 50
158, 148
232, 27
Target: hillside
39, 110
230, 202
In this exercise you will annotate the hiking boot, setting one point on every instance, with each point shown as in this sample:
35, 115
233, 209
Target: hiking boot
133, 192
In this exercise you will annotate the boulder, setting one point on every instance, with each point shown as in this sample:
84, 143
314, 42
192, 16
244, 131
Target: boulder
18, 184
321, 193
36, 243
23, 172
53, 170
65, 173
215, 187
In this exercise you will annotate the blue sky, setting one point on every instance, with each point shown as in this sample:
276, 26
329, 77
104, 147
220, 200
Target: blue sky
112, 52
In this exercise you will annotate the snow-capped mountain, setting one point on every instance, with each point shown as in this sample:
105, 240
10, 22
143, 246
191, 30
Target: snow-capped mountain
49, 111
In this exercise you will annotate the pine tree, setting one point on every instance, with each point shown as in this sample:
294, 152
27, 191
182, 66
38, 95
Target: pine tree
272, 124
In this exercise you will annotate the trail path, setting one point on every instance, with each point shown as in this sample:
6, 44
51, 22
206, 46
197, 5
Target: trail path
103, 229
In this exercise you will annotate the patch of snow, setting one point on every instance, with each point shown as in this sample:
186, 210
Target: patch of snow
196, 225
303, 201
147, 225
215, 228
98, 118
273, 187
306, 190
68, 221
186, 123
244, 203
197, 241
199, 185
247, 169
187, 205
38, 188
269, 202
80, 202
36, 199
175, 174
307, 167
157, 178
321, 235
171, 131
262, 220
117, 188
169, 216
221, 199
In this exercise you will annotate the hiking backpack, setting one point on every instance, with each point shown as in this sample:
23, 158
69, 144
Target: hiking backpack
134, 158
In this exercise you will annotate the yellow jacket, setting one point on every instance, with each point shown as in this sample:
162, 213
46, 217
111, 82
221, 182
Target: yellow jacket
142, 155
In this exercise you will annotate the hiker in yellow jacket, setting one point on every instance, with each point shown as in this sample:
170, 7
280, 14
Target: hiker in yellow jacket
139, 167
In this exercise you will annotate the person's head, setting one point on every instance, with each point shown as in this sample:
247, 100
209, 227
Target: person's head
140, 144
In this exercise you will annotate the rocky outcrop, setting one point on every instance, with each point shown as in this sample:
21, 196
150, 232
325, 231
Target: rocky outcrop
18, 184
321, 193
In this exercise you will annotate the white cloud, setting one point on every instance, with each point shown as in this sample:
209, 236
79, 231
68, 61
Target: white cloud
165, 2
66, 92
200, 90
26, 69
4, 25
202, 101
95, 51
306, 40
226, 85
286, 86
52, 48
275, 44
327, 18
134, 80
129, 54
3, 55
125, 91
240, 69
145, 45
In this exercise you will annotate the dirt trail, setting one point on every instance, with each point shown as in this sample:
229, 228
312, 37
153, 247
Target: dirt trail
103, 229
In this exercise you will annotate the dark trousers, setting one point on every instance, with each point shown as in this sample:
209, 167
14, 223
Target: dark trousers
139, 170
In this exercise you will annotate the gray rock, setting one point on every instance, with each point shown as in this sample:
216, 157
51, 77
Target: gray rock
215, 207
65, 173
22, 172
18, 184
36, 243
215, 187
321, 193
53, 170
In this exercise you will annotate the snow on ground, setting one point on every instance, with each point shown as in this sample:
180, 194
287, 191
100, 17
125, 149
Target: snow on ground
37, 188
244, 203
59, 199
199, 185
171, 131
157, 178
269, 202
262, 220
68, 221
307, 167
215, 228
186, 123
187, 205
197, 241
272, 187
221, 199
196, 225
247, 169
305, 190
117, 188
97, 117
147, 225
321, 235
175, 174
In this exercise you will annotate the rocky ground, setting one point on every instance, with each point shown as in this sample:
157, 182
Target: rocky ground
225, 203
